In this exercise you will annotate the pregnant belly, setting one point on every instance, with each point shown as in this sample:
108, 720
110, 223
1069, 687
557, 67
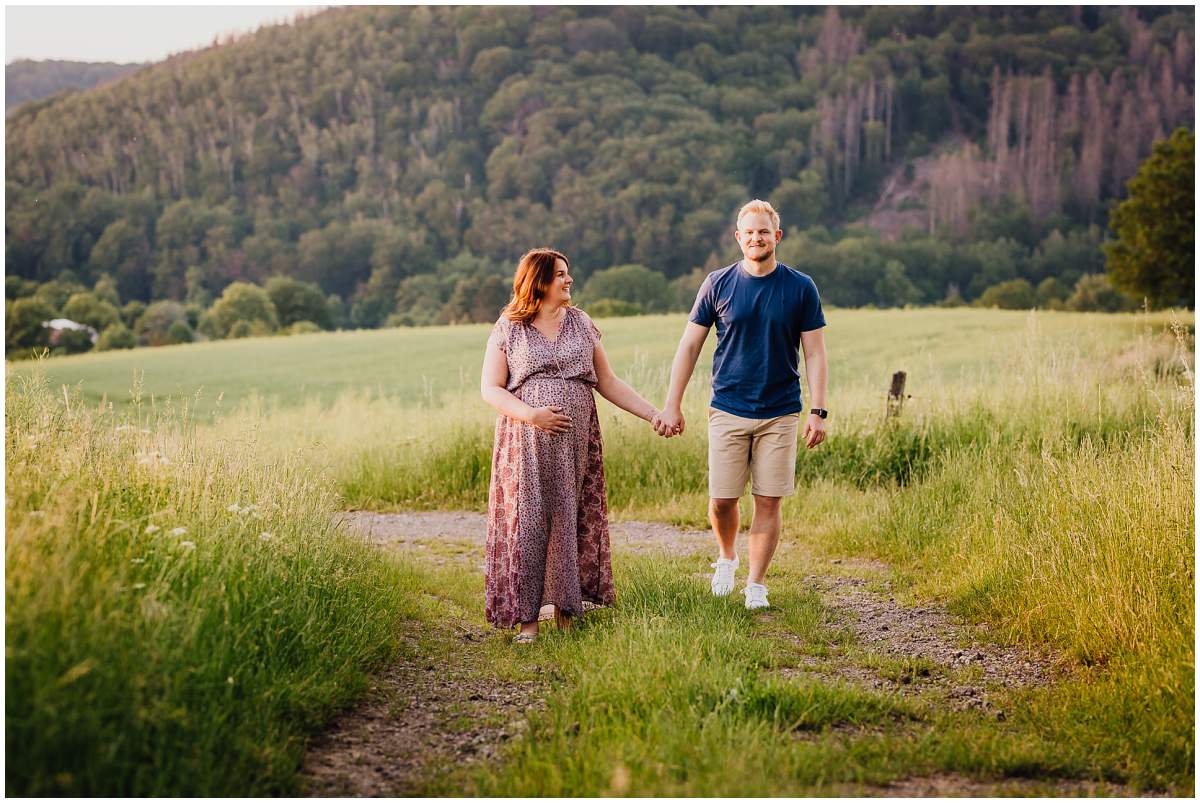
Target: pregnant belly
573, 396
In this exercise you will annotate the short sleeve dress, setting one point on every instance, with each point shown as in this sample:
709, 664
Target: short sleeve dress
547, 540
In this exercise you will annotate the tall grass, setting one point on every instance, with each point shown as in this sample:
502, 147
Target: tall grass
179, 612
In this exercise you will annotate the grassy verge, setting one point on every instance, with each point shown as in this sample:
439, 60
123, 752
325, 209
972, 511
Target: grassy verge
179, 613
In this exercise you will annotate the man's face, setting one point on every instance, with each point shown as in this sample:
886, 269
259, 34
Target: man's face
757, 236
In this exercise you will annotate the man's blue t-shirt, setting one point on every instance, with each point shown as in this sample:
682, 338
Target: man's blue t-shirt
759, 320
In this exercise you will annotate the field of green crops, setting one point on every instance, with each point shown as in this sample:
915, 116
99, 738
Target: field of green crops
181, 615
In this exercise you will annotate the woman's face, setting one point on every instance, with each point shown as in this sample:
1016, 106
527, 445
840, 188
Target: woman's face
559, 292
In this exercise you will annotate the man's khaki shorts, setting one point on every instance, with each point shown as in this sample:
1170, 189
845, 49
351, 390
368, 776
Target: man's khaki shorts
761, 448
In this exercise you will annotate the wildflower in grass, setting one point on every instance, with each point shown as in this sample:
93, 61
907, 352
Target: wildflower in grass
137, 561
151, 529
265, 536
248, 509
138, 586
234, 508
187, 545
229, 680
179, 531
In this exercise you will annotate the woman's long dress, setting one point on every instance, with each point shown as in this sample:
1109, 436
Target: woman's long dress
547, 540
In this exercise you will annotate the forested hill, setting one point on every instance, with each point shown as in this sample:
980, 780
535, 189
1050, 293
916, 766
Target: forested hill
26, 79
403, 157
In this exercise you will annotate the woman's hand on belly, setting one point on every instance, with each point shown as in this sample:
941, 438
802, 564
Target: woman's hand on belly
550, 419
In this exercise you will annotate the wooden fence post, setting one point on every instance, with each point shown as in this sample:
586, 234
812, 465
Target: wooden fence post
896, 397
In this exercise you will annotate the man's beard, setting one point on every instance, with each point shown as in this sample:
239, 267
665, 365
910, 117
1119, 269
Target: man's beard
767, 253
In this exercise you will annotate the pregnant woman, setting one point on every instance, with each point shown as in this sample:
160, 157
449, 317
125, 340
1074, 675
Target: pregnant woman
547, 540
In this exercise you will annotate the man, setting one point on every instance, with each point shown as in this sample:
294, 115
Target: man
764, 312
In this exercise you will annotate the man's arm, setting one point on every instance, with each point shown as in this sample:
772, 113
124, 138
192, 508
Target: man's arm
817, 370
670, 421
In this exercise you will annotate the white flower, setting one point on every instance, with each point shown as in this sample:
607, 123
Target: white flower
265, 536
151, 529
187, 545
138, 586
248, 509
137, 560
234, 508
229, 680
179, 531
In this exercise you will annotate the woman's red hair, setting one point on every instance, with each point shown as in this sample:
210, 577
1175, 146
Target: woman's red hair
535, 274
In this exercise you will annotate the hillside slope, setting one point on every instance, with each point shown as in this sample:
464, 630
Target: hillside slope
361, 148
26, 79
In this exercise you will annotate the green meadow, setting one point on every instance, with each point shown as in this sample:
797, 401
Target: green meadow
181, 616
429, 366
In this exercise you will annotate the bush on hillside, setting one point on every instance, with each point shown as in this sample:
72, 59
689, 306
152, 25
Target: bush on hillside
116, 336
89, 309
634, 284
1095, 293
241, 302
613, 308
23, 323
155, 326
1014, 294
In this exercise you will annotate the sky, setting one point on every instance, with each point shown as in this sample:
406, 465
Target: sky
126, 33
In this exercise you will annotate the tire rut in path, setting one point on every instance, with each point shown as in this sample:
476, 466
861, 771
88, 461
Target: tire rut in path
421, 719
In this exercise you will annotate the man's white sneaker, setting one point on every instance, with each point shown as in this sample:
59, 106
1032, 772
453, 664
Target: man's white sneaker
722, 579
756, 596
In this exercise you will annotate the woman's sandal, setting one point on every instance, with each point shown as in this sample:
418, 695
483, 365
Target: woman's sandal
524, 638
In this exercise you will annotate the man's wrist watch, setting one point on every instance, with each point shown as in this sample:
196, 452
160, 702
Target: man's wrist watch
819, 412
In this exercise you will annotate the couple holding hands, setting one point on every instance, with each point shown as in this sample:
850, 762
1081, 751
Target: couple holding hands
547, 540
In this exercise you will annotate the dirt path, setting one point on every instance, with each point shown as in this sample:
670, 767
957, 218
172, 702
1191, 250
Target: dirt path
421, 719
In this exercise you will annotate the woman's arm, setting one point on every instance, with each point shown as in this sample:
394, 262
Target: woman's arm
616, 391
492, 388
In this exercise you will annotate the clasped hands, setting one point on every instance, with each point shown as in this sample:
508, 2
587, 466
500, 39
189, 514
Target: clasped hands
668, 423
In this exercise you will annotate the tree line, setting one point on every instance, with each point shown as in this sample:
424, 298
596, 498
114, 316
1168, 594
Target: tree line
399, 159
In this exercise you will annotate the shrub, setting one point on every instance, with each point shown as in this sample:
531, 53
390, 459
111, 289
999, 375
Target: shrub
241, 302
116, 336
303, 328
88, 308
154, 327
180, 332
295, 300
613, 308
23, 323
72, 341
1095, 293
634, 284
1013, 294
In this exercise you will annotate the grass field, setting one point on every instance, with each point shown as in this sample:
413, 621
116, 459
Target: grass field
1040, 479
407, 367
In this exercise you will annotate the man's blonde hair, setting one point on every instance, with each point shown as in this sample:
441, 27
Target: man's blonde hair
756, 206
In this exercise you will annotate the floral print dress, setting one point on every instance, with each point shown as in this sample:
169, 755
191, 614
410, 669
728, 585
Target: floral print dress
547, 540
